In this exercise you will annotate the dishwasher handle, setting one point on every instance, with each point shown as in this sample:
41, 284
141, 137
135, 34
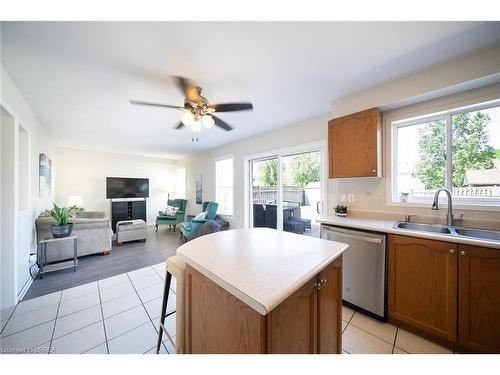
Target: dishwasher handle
358, 237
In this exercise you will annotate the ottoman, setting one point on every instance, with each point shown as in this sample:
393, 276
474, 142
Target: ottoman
130, 230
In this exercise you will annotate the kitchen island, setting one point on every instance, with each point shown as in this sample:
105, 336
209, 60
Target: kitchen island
262, 291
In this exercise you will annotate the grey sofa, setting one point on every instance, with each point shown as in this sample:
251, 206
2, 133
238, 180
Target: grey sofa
93, 230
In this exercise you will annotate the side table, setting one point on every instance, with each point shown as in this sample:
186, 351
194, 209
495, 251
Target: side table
45, 268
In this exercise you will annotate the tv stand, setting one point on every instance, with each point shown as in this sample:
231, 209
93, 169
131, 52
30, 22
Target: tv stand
127, 210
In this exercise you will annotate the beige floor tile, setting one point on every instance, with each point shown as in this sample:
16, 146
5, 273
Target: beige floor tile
79, 291
138, 340
399, 351
347, 313
417, 345
344, 324
37, 303
357, 341
21, 322
80, 341
100, 349
120, 304
77, 320
385, 331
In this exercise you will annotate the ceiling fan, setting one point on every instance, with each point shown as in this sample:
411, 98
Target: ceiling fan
197, 111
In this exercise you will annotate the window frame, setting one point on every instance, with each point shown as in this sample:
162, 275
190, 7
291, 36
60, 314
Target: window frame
445, 115
218, 159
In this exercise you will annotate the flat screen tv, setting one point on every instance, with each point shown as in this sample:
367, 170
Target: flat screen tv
122, 187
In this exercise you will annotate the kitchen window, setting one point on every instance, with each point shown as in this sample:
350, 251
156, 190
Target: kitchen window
224, 185
457, 149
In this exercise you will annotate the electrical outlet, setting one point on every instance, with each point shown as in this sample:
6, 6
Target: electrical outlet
350, 198
342, 198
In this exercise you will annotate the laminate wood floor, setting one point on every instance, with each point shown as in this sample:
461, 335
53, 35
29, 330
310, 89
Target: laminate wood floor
130, 256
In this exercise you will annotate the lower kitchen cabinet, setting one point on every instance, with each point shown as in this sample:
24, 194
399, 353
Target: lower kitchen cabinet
479, 299
422, 285
449, 291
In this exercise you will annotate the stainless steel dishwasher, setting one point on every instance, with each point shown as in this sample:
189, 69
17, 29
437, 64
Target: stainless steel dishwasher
363, 269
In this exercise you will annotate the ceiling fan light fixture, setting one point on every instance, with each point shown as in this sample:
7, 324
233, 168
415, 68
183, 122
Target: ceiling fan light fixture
187, 118
196, 126
207, 121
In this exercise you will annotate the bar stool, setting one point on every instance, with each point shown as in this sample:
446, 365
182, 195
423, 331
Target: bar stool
174, 267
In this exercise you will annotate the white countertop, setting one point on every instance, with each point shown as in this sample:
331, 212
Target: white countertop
387, 226
262, 267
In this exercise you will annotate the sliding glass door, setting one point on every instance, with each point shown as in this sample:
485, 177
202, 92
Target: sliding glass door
301, 192
264, 192
286, 190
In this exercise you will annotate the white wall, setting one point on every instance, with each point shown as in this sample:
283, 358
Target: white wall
436, 83
83, 173
24, 235
303, 132
463, 73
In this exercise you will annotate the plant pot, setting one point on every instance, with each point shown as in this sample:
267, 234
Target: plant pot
61, 231
341, 214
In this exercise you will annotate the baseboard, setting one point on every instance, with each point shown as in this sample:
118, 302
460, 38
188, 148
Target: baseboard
24, 290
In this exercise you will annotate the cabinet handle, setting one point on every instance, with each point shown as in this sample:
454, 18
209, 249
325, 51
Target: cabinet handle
317, 286
463, 253
323, 281
452, 251
374, 171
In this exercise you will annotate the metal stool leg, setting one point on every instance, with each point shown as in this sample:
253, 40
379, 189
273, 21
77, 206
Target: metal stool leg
166, 291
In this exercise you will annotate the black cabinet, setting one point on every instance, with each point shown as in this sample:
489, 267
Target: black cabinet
127, 210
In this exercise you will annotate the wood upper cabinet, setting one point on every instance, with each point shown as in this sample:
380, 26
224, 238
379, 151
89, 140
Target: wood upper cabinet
354, 145
422, 284
479, 299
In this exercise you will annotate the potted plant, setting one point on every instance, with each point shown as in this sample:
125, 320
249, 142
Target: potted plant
341, 211
61, 215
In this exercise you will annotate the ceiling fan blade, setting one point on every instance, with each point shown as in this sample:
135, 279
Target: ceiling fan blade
232, 107
190, 91
180, 125
137, 102
222, 124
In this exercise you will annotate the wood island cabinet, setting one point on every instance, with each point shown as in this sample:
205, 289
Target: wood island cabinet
479, 299
422, 284
309, 321
354, 145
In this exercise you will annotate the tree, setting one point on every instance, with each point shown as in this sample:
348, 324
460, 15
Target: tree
470, 149
305, 169
270, 173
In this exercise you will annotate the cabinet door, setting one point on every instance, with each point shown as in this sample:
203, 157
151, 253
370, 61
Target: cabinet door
292, 325
354, 145
329, 309
422, 284
479, 299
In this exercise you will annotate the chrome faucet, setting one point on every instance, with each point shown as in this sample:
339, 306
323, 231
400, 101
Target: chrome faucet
450, 220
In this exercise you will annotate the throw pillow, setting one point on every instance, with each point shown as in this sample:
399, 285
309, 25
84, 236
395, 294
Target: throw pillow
201, 216
171, 211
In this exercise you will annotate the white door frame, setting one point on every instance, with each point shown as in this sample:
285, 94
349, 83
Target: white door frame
320, 146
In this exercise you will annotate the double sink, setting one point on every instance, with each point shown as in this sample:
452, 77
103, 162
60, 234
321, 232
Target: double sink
479, 234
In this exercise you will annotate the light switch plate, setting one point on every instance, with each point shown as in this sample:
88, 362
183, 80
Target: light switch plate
350, 198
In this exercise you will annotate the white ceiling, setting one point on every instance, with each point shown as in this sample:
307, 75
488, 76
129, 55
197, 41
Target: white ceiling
78, 76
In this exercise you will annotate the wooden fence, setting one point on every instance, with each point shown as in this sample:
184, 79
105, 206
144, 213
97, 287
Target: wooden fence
266, 194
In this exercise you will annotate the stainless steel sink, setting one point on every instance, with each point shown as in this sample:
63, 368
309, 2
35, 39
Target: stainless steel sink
479, 233
423, 227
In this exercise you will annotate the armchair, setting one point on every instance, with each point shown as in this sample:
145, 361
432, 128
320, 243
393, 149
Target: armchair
173, 220
190, 229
